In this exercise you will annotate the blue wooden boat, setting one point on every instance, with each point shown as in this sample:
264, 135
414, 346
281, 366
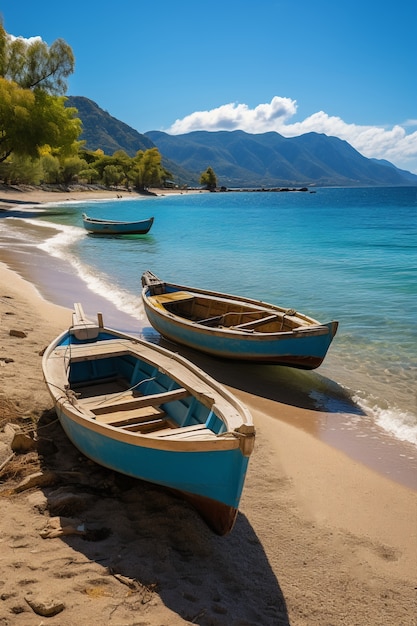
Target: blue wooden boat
143, 411
235, 327
113, 227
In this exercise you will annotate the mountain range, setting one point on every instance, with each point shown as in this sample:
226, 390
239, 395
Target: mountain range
240, 159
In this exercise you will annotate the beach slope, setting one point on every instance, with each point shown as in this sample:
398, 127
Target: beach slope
320, 539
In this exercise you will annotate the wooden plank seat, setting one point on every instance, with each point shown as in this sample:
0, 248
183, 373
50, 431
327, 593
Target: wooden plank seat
99, 350
211, 321
121, 418
150, 426
197, 431
168, 298
146, 420
141, 413
107, 400
256, 323
129, 402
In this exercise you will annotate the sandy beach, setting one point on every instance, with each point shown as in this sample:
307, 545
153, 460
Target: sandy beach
320, 539
27, 195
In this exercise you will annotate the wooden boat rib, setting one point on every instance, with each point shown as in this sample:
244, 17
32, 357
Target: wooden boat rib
235, 327
113, 227
143, 411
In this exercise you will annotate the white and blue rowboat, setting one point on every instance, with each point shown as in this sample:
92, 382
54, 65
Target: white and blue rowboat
235, 327
138, 409
113, 227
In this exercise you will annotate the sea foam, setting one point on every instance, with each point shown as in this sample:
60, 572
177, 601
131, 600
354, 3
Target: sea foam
59, 246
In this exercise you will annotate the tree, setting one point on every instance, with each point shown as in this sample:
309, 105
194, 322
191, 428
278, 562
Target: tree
70, 168
33, 64
147, 170
112, 175
50, 168
22, 170
209, 179
31, 114
16, 107
31, 119
124, 163
89, 174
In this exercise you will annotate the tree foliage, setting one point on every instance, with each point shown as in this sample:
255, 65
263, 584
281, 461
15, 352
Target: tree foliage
147, 170
31, 112
33, 64
209, 179
31, 119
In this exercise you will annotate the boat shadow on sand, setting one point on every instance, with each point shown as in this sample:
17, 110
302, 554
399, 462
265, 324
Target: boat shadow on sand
305, 389
142, 536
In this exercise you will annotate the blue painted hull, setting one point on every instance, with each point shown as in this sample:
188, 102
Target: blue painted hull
217, 475
304, 345
305, 352
111, 227
145, 412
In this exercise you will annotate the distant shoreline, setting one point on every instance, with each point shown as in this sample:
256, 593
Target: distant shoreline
23, 196
266, 189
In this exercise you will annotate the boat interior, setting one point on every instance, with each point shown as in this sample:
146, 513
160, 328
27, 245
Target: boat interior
124, 391
217, 313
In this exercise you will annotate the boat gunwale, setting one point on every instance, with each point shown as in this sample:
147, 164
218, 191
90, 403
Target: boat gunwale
230, 439
210, 468
97, 220
96, 226
310, 326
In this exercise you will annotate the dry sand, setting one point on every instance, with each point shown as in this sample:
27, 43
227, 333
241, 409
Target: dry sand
320, 539
21, 195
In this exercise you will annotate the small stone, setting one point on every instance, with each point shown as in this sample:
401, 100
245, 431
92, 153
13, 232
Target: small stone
58, 526
39, 479
46, 608
23, 443
17, 333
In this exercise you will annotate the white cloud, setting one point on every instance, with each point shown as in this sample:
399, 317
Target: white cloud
232, 116
28, 41
392, 144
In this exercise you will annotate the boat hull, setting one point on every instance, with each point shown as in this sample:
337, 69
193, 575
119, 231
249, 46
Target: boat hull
290, 349
304, 346
213, 474
104, 227
170, 424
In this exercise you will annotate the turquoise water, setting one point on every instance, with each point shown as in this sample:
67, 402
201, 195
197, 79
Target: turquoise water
344, 254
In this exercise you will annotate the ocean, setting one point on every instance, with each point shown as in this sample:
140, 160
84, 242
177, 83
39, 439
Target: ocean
332, 253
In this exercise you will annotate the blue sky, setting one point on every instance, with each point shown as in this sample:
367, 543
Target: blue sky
347, 69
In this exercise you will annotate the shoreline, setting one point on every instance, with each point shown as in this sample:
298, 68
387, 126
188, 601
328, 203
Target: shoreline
15, 197
320, 537
27, 196
56, 283
365, 442
329, 540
